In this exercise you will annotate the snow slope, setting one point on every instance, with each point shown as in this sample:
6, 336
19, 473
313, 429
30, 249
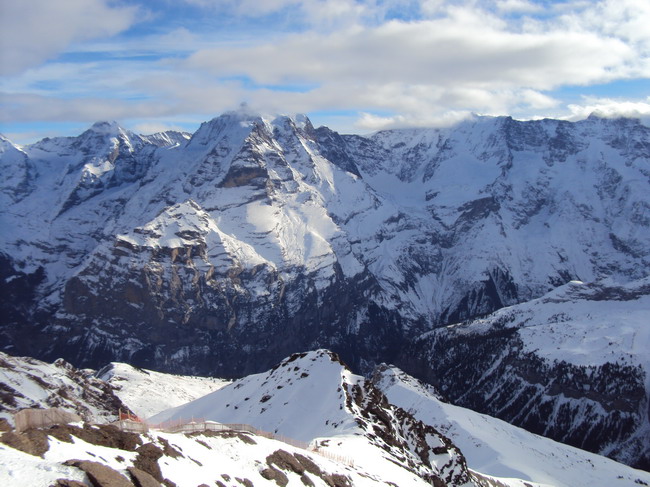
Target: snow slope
497, 448
221, 459
147, 392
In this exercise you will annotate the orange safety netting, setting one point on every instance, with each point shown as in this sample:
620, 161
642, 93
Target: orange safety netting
129, 417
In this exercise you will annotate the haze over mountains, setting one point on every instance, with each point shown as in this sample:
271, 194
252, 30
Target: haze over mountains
225, 251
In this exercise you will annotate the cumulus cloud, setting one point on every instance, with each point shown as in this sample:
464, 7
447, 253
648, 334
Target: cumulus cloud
36, 30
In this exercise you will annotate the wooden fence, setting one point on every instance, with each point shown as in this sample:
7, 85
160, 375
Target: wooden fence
43, 418
132, 426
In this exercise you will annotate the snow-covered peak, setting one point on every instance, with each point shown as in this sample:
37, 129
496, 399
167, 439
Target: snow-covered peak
269, 401
110, 133
106, 128
314, 398
5, 143
231, 128
302, 121
8, 148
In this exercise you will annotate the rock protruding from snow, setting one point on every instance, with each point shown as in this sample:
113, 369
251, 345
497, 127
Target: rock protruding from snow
29, 383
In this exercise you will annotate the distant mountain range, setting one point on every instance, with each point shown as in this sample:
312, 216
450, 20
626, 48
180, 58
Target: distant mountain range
224, 251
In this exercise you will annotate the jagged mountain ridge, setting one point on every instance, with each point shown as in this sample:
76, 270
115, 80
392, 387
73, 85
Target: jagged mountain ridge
258, 237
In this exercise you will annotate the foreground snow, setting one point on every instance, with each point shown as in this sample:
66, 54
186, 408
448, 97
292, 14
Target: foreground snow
193, 460
325, 425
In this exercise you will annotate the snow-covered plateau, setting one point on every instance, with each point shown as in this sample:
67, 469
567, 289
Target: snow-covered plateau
447, 252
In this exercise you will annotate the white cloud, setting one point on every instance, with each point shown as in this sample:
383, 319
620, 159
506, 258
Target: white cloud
36, 30
447, 60
520, 6
20, 107
369, 122
608, 107
440, 51
624, 19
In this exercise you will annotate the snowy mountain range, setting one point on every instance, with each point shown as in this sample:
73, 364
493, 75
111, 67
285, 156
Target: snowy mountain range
224, 251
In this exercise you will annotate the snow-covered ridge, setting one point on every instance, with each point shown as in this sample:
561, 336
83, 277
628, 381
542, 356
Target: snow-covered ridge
583, 324
497, 448
313, 397
572, 365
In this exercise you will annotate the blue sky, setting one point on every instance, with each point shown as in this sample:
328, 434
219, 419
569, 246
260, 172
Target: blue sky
354, 65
